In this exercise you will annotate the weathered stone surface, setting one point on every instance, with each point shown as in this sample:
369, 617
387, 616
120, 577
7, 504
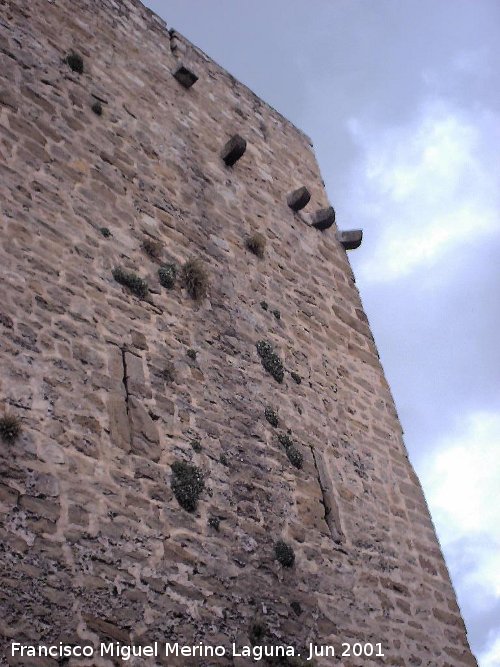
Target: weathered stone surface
95, 545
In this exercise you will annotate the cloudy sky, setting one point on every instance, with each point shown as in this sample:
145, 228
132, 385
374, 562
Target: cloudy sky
402, 101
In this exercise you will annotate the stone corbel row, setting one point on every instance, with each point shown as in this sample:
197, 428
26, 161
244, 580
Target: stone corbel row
296, 200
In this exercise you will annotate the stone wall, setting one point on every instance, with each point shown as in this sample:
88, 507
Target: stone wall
113, 389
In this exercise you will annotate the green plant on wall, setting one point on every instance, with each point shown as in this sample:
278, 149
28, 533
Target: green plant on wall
135, 284
187, 484
75, 62
294, 455
284, 554
167, 274
271, 416
270, 360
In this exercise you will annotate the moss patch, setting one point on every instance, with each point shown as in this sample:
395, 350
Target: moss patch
187, 484
191, 354
296, 377
136, 285
276, 313
264, 305
270, 360
105, 232
97, 108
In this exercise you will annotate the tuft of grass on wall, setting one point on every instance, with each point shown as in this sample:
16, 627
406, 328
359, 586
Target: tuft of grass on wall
10, 427
153, 248
195, 279
256, 243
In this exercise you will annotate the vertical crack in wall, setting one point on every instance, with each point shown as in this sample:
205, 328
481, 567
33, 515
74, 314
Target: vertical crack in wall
125, 379
332, 515
127, 393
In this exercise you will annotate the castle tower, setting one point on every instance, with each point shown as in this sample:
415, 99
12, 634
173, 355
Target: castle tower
198, 441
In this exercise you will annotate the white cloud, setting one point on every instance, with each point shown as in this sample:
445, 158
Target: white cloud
491, 656
425, 188
462, 486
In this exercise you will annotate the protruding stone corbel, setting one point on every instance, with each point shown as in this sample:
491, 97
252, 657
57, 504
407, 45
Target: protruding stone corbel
233, 150
185, 76
324, 218
350, 239
298, 199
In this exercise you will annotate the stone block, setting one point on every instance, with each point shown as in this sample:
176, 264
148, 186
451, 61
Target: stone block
324, 218
185, 76
350, 239
298, 199
233, 150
